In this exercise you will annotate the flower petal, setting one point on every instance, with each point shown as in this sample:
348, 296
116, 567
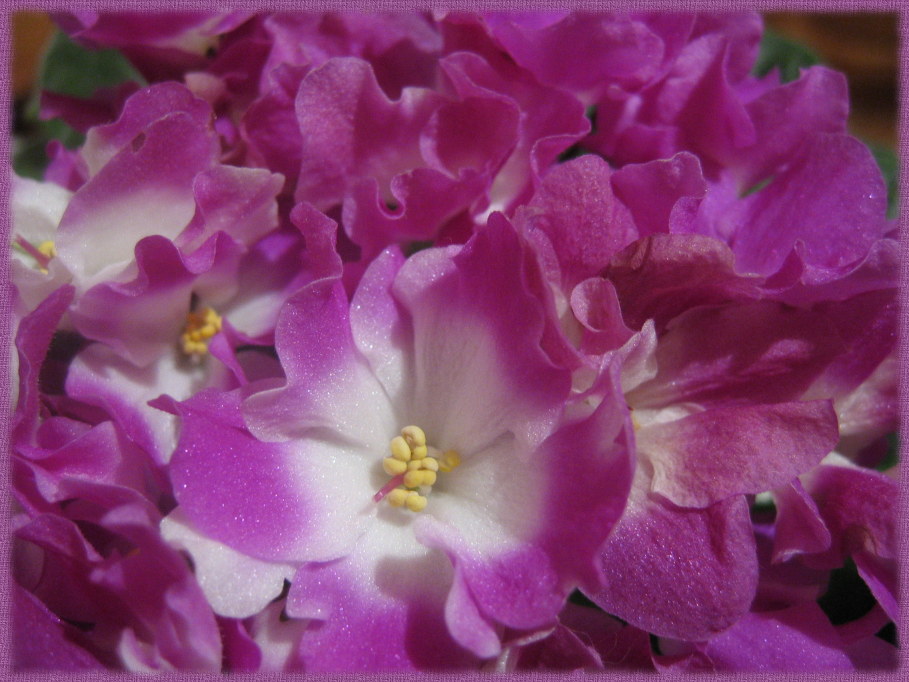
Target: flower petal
712, 455
681, 573
236, 585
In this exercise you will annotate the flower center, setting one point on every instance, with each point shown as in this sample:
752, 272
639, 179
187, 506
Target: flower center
43, 253
414, 468
200, 327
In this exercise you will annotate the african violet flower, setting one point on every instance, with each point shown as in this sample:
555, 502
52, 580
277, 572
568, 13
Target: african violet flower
157, 219
94, 579
135, 595
518, 485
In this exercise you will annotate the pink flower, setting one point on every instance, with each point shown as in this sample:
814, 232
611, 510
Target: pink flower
448, 341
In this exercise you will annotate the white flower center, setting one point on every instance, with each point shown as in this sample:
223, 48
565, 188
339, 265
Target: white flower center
414, 468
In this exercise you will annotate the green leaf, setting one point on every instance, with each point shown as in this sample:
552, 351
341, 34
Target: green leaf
889, 164
70, 69
67, 69
892, 458
786, 55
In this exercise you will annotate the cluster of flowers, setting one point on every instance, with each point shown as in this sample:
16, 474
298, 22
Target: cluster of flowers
371, 342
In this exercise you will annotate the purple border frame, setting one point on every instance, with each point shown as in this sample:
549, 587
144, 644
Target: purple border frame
717, 5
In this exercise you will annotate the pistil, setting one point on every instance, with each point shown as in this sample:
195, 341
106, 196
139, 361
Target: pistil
43, 253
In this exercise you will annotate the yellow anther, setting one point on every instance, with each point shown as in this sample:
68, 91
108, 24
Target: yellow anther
200, 327
397, 497
400, 449
415, 502
413, 465
414, 436
449, 461
47, 248
414, 479
393, 466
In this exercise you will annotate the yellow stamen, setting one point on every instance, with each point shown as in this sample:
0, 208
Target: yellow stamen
415, 502
397, 497
414, 435
400, 449
200, 327
47, 248
415, 464
393, 466
450, 460
413, 479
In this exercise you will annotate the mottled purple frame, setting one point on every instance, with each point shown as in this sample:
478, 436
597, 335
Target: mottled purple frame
11, 6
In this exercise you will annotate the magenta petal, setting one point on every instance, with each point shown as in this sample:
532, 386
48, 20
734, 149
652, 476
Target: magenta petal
882, 576
618, 645
681, 573
817, 102
41, 641
429, 199
33, 338
663, 275
709, 456
563, 649
799, 527
576, 208
361, 626
799, 639
140, 112
478, 295
381, 139
582, 51
465, 622
831, 197
859, 507
143, 318
746, 353
663, 196
867, 324
382, 332
785, 583
327, 379
801, 284
84, 114
590, 465
476, 133
236, 489
238, 201
596, 307
145, 189
551, 119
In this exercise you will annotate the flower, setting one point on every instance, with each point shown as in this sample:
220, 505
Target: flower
449, 341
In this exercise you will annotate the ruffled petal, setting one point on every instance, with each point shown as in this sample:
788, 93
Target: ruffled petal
236, 585
712, 455
681, 573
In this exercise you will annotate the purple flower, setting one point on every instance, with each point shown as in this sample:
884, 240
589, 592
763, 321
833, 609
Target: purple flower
519, 494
